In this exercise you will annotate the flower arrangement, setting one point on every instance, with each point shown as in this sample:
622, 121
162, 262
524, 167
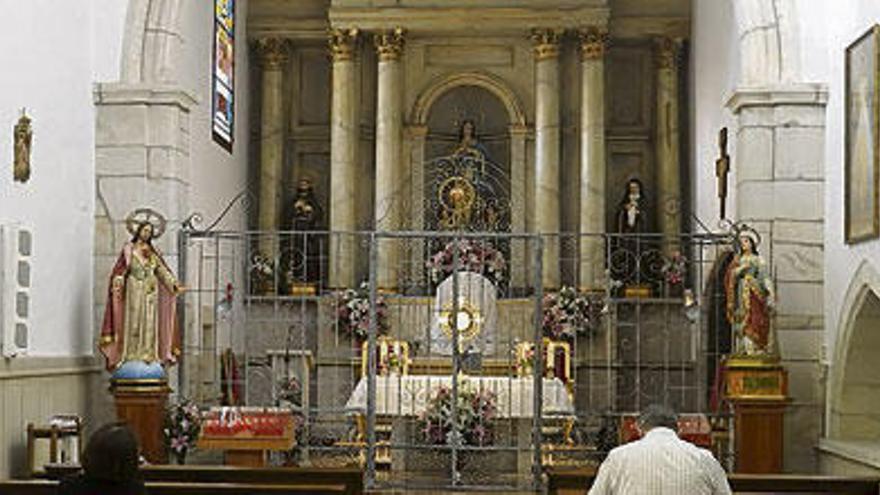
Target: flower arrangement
675, 269
262, 269
392, 364
182, 427
568, 313
352, 310
473, 256
474, 413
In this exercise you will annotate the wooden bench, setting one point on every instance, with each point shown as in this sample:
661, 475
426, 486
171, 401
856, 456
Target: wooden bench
50, 487
351, 478
578, 481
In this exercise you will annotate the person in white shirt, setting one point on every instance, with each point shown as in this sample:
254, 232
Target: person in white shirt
660, 463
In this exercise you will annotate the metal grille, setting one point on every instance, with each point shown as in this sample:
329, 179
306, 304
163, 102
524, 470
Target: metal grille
272, 331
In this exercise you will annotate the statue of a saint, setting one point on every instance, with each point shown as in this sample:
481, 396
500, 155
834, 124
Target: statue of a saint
468, 143
626, 263
303, 257
306, 211
21, 168
140, 323
631, 211
750, 296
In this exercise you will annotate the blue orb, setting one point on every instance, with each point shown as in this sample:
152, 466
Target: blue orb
139, 370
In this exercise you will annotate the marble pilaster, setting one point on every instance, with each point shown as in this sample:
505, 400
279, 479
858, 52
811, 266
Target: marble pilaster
592, 172
667, 142
547, 132
344, 136
272, 55
518, 249
416, 135
389, 154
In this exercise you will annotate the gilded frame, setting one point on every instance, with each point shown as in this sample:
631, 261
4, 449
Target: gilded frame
861, 138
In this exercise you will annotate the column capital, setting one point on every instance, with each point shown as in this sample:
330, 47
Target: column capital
389, 44
272, 52
343, 43
667, 52
593, 42
546, 43
417, 131
518, 130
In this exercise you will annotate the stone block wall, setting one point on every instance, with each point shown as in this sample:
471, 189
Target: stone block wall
780, 190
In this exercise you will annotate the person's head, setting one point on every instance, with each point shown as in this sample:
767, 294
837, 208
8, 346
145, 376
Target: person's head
112, 454
144, 232
468, 130
657, 416
748, 243
633, 191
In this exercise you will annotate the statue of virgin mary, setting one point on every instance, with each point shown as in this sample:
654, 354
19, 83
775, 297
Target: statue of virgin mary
139, 334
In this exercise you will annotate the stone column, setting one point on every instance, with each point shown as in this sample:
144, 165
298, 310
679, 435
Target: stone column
389, 154
547, 149
519, 265
273, 54
416, 134
343, 155
667, 143
592, 187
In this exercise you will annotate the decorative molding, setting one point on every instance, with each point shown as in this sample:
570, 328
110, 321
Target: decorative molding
389, 44
343, 43
593, 42
272, 52
143, 94
648, 26
546, 43
497, 86
810, 94
492, 21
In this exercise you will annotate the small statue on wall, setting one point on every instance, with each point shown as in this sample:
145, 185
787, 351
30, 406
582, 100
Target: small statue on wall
631, 210
627, 265
304, 254
22, 136
306, 211
750, 296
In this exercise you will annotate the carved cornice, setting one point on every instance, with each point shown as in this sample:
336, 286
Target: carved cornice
272, 52
389, 44
546, 43
593, 42
667, 51
343, 43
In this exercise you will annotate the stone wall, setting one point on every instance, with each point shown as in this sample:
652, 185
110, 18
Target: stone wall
780, 192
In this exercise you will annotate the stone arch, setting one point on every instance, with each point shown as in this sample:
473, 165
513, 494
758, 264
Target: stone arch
768, 40
496, 86
151, 42
853, 410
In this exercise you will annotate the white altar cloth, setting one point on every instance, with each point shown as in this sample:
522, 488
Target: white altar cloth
408, 395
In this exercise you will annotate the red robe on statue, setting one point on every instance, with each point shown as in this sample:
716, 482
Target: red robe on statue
113, 330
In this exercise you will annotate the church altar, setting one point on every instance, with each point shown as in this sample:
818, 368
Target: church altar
408, 395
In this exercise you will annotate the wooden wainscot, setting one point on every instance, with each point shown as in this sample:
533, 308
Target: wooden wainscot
758, 390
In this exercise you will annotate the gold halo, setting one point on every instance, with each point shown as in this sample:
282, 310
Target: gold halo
145, 215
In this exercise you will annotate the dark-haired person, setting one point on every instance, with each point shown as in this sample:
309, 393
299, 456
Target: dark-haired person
660, 463
110, 465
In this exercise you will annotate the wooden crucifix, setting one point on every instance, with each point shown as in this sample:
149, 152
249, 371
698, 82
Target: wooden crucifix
722, 167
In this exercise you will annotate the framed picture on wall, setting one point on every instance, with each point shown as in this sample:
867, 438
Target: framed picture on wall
861, 153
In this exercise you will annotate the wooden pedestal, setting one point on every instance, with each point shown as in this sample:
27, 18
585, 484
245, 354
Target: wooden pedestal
758, 391
143, 408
